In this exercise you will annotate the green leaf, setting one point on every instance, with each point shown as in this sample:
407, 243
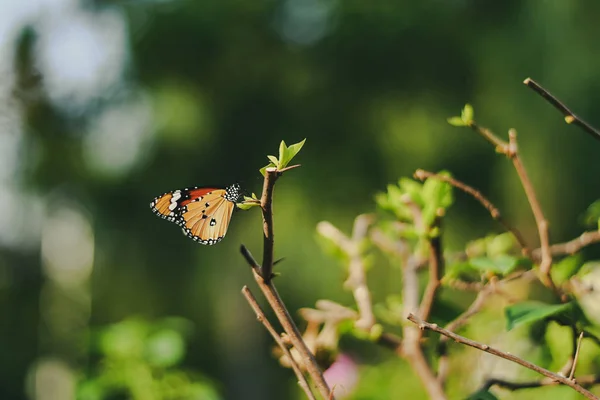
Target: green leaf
462, 271
282, 150
502, 264
247, 206
500, 244
532, 311
456, 121
563, 270
592, 215
273, 160
412, 188
436, 194
482, 395
294, 149
467, 114
263, 170
165, 348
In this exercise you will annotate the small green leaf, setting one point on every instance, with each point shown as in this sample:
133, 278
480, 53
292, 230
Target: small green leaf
436, 194
263, 170
531, 311
500, 244
502, 264
412, 188
482, 395
247, 206
283, 153
462, 271
456, 121
563, 270
273, 160
467, 114
592, 215
294, 149
165, 348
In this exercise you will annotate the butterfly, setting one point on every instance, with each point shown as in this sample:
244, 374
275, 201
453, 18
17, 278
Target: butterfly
203, 213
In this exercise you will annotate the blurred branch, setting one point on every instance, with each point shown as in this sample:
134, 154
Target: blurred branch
541, 222
573, 246
274, 300
511, 151
493, 210
570, 118
436, 267
357, 280
411, 348
507, 356
329, 312
261, 317
576, 356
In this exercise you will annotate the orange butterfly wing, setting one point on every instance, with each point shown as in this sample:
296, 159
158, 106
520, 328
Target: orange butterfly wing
203, 213
207, 218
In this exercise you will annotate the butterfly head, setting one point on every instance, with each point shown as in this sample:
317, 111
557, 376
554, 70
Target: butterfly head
233, 192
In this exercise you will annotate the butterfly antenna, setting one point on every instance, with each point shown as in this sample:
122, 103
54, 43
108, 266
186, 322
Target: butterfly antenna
277, 261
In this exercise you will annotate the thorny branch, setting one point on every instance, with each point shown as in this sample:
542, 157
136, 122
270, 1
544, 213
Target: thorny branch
286, 321
507, 356
262, 318
263, 275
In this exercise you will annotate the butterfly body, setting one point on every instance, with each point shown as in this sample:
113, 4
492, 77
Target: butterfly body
203, 213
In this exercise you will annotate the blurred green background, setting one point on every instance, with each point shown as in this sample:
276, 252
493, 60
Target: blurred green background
106, 104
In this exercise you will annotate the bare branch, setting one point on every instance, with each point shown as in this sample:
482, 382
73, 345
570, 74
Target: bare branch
507, 356
541, 222
266, 204
411, 345
583, 381
570, 118
286, 321
436, 268
357, 280
262, 318
576, 358
493, 210
572, 246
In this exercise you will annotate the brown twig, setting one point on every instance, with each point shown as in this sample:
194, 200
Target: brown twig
266, 204
541, 222
436, 268
576, 357
357, 280
493, 210
411, 348
488, 135
286, 321
573, 246
262, 318
583, 381
507, 356
570, 117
